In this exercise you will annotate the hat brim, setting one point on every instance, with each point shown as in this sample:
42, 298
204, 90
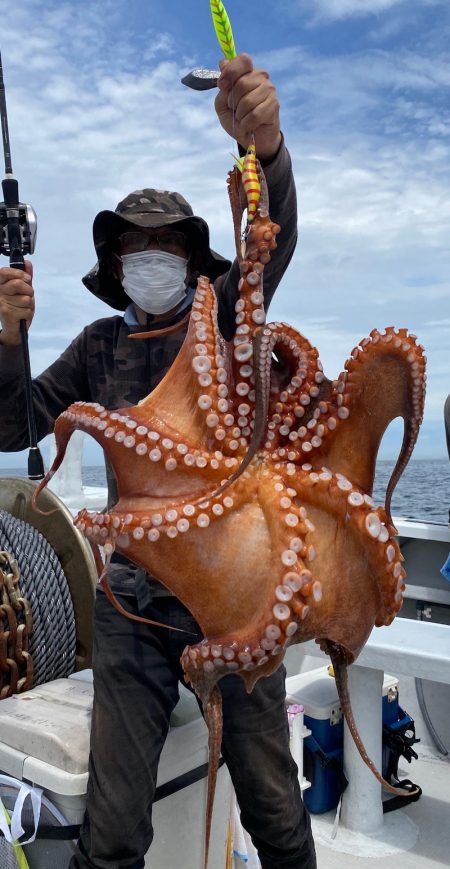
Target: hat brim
101, 279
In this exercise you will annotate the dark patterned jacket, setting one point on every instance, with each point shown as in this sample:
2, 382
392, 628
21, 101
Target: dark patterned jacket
102, 365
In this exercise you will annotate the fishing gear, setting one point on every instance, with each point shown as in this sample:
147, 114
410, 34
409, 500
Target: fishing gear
205, 79
17, 238
201, 79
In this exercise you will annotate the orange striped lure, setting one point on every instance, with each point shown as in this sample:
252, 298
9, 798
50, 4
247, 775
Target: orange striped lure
250, 179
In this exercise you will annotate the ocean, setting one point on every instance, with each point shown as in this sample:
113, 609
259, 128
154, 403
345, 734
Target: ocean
422, 493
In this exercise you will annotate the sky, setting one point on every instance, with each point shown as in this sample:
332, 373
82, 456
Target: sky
96, 109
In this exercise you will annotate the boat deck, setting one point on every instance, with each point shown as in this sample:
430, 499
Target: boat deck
425, 825
431, 815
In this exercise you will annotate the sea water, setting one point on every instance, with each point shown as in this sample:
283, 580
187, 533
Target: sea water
423, 491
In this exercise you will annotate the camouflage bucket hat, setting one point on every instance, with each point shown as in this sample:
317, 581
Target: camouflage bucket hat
149, 209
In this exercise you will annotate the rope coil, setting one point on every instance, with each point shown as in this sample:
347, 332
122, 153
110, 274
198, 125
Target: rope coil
52, 643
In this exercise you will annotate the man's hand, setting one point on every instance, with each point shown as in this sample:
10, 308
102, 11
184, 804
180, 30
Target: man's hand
16, 302
247, 103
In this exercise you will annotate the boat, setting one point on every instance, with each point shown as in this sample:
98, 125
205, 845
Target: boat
416, 650
414, 653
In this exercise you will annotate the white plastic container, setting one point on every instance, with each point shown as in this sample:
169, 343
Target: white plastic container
316, 690
44, 739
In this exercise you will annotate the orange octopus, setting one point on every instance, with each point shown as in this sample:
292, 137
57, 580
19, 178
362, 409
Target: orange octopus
245, 483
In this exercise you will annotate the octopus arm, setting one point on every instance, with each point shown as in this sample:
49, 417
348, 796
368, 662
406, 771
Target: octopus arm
384, 379
188, 397
352, 555
295, 383
238, 204
340, 661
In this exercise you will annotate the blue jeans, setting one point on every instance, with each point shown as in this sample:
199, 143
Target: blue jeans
136, 674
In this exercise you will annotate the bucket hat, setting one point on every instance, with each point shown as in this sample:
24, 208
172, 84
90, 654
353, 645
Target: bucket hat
147, 209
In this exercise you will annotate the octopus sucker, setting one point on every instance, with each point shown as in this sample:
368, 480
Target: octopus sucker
245, 484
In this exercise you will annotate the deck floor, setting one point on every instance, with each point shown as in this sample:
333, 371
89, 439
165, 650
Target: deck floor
430, 813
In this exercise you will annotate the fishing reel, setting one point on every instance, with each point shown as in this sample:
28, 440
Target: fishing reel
26, 224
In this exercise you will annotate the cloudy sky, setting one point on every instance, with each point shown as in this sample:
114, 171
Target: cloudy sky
96, 109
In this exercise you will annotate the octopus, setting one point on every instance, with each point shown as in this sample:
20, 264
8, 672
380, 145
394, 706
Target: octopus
245, 485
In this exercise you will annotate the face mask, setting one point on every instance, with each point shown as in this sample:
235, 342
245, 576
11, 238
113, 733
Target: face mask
154, 280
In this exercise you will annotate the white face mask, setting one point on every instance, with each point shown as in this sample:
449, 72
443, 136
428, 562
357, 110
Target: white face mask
154, 279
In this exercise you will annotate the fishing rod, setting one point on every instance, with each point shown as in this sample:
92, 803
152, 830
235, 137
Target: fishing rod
18, 237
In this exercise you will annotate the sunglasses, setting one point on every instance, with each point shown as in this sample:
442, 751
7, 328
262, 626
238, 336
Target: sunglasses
167, 240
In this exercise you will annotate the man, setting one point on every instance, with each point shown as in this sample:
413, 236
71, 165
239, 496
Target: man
150, 251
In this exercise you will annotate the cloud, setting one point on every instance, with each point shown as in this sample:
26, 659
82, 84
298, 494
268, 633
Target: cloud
341, 9
371, 152
96, 110
346, 8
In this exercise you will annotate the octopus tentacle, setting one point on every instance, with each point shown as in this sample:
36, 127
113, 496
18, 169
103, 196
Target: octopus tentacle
214, 721
207, 662
238, 205
127, 441
262, 350
129, 615
289, 404
259, 242
339, 662
203, 382
251, 364
330, 498
127, 523
250, 314
294, 589
384, 379
211, 365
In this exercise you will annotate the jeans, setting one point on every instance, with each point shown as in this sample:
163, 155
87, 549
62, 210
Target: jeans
136, 674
